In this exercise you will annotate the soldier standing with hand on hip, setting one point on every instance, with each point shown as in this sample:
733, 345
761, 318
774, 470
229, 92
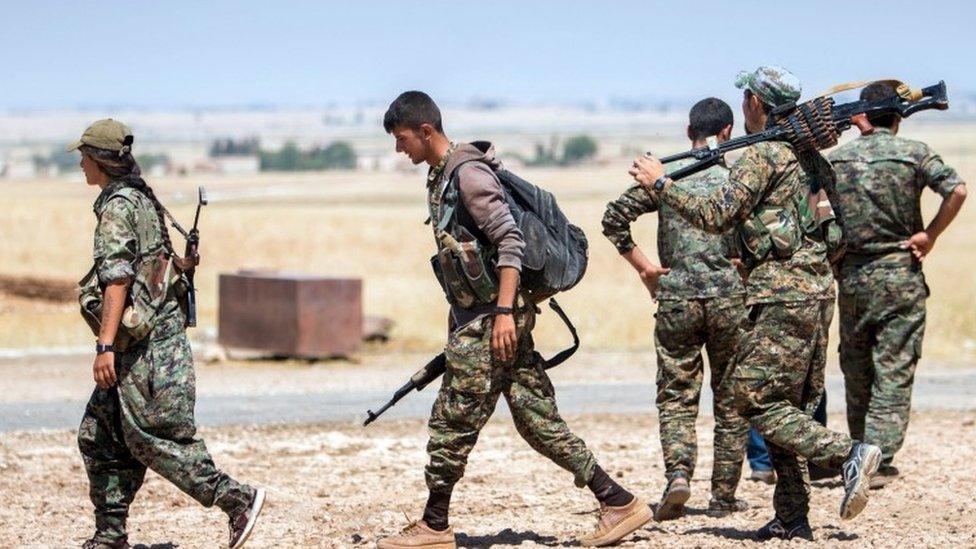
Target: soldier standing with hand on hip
880, 178
701, 303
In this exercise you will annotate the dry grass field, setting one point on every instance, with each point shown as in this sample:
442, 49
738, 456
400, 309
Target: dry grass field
370, 225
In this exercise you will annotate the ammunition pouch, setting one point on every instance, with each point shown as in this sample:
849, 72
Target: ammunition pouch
464, 270
771, 231
156, 281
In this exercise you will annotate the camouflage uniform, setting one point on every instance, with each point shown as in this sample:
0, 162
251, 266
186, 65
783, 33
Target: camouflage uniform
146, 419
475, 379
880, 178
701, 303
778, 369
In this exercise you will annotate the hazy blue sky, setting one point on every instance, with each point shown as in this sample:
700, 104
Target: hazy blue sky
182, 53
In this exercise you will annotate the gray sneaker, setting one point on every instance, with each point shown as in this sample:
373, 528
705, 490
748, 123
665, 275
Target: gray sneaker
672, 504
861, 465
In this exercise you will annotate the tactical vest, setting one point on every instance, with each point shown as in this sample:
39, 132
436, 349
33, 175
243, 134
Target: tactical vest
465, 261
779, 230
156, 278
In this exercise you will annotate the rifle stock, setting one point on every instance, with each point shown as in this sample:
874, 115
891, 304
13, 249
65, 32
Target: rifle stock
418, 381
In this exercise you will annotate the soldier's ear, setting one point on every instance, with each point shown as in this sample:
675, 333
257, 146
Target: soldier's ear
689, 133
726, 133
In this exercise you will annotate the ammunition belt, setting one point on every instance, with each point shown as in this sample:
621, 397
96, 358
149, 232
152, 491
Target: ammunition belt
810, 126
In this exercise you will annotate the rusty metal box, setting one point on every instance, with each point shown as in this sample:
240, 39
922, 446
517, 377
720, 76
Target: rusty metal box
290, 314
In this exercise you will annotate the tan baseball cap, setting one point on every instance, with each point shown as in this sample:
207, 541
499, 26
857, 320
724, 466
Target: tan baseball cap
106, 134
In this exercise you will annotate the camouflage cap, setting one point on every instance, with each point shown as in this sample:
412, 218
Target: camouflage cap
106, 134
773, 85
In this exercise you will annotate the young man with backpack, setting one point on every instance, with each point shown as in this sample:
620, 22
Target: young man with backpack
490, 352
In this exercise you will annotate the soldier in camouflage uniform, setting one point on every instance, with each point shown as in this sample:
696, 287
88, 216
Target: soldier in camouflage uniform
140, 415
880, 178
701, 302
778, 371
490, 352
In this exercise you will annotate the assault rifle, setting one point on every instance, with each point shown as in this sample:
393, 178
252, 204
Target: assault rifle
438, 365
191, 257
815, 125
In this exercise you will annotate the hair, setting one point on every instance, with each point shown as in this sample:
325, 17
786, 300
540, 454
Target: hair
122, 166
410, 110
766, 107
708, 117
878, 91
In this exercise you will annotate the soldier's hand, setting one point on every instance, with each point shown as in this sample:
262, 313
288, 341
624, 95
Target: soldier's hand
104, 370
920, 244
650, 277
503, 338
646, 170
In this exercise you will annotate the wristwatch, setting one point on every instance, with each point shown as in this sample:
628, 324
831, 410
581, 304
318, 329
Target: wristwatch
99, 348
498, 310
659, 184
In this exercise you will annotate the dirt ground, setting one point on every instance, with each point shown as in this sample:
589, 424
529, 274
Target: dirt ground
338, 485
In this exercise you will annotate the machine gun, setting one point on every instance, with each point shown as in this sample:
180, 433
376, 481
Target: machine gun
438, 365
191, 256
815, 125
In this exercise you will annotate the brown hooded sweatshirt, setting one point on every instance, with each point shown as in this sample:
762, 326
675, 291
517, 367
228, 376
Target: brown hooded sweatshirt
483, 197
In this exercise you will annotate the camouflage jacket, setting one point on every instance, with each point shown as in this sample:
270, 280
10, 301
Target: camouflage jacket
127, 233
767, 175
700, 262
880, 178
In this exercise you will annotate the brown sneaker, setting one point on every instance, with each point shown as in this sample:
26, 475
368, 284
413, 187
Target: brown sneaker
718, 508
616, 523
242, 524
673, 501
418, 535
765, 476
117, 544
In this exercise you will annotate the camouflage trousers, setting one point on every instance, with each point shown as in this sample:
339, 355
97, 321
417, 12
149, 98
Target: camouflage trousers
681, 329
778, 377
882, 321
469, 392
146, 421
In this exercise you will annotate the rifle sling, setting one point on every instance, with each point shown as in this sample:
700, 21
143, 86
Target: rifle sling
563, 355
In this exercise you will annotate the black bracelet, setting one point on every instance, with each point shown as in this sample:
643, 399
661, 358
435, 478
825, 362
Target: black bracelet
659, 184
498, 310
99, 348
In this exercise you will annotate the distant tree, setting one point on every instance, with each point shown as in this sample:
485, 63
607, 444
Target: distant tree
336, 156
578, 148
230, 147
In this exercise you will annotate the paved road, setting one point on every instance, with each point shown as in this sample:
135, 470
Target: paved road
948, 391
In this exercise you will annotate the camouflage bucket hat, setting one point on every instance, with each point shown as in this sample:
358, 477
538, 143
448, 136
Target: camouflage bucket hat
773, 85
106, 134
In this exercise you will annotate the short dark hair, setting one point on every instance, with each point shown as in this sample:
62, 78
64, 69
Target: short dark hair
877, 91
766, 107
410, 110
708, 117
